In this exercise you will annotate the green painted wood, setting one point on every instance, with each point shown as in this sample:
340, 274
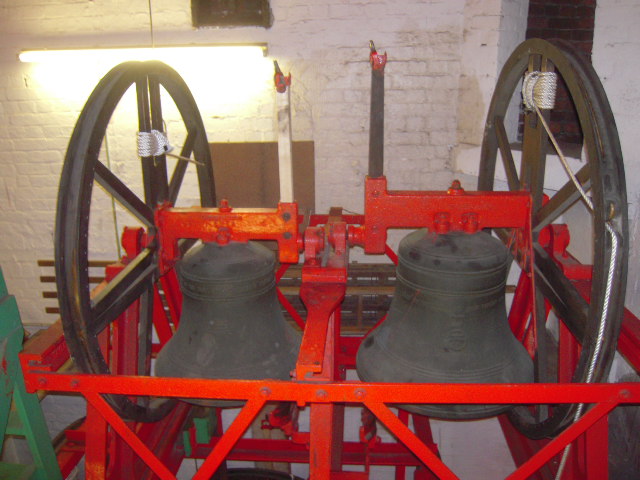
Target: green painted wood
27, 418
14, 471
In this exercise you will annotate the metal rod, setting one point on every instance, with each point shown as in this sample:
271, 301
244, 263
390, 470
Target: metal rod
376, 121
283, 105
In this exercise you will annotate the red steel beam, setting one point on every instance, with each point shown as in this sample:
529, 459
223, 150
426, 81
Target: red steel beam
342, 392
455, 209
227, 224
354, 453
321, 300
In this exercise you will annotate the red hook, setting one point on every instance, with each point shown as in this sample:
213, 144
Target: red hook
281, 81
377, 61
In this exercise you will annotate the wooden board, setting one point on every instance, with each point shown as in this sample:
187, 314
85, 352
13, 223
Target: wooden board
246, 174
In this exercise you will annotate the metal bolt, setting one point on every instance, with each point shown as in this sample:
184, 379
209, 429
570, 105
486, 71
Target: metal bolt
287, 235
321, 394
265, 392
42, 382
75, 383
286, 216
624, 393
360, 393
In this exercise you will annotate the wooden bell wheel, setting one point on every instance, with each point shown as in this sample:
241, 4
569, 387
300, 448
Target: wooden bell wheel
594, 316
138, 184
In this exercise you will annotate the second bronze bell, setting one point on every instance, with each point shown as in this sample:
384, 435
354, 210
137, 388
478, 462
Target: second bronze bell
447, 321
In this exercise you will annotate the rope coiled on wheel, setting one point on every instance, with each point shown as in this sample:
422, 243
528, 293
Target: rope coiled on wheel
539, 90
153, 144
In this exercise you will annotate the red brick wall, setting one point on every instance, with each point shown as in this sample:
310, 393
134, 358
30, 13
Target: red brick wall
570, 20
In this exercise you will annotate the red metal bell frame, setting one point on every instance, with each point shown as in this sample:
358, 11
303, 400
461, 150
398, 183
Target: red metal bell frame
47, 353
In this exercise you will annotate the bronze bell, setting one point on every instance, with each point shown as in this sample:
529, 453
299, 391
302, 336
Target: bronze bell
447, 321
232, 326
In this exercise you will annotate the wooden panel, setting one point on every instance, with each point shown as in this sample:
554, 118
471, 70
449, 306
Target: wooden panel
246, 174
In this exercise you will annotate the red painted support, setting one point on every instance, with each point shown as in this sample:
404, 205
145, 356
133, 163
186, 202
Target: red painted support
96, 463
437, 211
225, 224
124, 361
596, 457
321, 300
403, 416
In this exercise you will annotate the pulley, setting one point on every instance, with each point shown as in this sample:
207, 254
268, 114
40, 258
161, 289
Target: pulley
447, 321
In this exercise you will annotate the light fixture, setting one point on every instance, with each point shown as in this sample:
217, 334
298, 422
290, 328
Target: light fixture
209, 52
227, 79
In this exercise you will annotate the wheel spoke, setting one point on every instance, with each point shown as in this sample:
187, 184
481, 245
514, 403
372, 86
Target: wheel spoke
565, 299
181, 166
506, 154
534, 144
562, 200
532, 171
120, 292
160, 162
144, 125
123, 194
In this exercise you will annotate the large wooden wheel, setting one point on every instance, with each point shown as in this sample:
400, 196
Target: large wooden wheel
85, 318
594, 322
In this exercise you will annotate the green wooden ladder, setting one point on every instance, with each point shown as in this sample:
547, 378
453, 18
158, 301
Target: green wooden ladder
20, 412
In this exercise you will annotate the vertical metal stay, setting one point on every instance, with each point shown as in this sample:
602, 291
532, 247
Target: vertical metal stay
376, 122
283, 105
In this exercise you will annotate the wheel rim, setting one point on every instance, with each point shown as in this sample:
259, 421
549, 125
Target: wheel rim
83, 318
602, 176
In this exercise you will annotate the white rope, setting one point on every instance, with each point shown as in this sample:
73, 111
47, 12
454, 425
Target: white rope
599, 339
538, 93
153, 144
539, 90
